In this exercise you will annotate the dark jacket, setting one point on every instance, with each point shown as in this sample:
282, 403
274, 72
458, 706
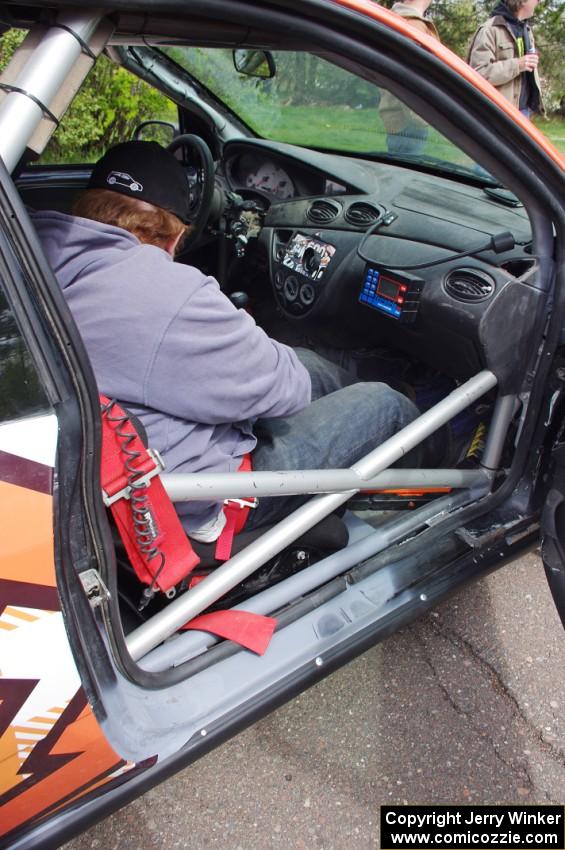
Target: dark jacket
494, 52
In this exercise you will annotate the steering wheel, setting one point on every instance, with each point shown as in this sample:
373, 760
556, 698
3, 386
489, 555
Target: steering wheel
200, 184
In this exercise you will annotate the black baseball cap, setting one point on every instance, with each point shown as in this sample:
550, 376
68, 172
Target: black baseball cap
143, 170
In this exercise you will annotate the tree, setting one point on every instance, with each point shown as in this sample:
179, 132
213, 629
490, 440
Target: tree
550, 37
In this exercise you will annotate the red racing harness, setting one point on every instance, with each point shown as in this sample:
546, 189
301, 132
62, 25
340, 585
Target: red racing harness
236, 512
155, 541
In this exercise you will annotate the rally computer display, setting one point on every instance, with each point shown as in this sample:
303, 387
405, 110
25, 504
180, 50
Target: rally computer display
394, 297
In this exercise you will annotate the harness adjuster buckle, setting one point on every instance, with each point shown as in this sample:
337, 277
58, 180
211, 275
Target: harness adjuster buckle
139, 482
243, 503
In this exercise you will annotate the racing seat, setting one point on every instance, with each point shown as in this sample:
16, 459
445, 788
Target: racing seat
328, 536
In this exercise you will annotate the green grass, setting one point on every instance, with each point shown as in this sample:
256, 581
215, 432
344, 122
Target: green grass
341, 128
361, 130
554, 129
328, 127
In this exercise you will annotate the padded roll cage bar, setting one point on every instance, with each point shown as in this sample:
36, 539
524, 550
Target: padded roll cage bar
42, 78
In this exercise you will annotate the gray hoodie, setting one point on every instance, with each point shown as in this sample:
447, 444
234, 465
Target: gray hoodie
169, 345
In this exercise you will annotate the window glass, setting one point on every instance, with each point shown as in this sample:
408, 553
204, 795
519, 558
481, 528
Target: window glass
311, 102
109, 107
21, 392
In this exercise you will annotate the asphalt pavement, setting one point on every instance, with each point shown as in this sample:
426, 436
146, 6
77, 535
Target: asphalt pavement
465, 706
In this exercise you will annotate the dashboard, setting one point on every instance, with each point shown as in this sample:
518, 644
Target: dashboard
364, 253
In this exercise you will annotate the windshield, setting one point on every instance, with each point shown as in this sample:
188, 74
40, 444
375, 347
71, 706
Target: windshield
314, 103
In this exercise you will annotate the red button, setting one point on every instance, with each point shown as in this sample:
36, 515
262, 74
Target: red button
403, 288
400, 300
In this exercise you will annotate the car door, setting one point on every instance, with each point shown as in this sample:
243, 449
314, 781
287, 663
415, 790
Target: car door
52, 748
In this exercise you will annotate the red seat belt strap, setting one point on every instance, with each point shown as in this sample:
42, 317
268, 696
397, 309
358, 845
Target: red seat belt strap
236, 512
253, 631
151, 531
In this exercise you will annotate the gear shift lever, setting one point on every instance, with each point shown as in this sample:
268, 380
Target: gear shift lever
239, 299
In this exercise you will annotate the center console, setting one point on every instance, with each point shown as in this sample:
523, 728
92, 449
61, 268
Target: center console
299, 269
303, 264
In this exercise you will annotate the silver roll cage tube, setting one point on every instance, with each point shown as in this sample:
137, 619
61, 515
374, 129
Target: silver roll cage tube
472, 484
364, 543
367, 469
215, 486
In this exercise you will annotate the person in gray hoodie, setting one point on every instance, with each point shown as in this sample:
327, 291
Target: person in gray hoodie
207, 383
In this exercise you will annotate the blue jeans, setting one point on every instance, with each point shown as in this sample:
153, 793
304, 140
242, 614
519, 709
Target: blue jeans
345, 421
411, 140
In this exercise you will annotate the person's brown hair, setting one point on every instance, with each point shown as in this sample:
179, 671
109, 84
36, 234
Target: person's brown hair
152, 225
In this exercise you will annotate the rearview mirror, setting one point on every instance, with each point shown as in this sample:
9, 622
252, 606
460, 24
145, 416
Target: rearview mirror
254, 63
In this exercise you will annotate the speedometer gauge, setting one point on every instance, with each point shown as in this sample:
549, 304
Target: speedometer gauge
272, 179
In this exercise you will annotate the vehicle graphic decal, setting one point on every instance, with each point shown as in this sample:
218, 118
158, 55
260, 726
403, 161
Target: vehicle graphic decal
52, 749
13, 694
67, 761
33, 439
25, 473
22, 593
27, 551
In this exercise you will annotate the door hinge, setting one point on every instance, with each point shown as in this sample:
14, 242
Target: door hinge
95, 589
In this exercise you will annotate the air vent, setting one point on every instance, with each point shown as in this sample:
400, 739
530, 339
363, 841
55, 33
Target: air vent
322, 212
469, 285
361, 214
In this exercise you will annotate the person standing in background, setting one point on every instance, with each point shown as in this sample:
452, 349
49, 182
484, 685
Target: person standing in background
406, 132
415, 12
502, 50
